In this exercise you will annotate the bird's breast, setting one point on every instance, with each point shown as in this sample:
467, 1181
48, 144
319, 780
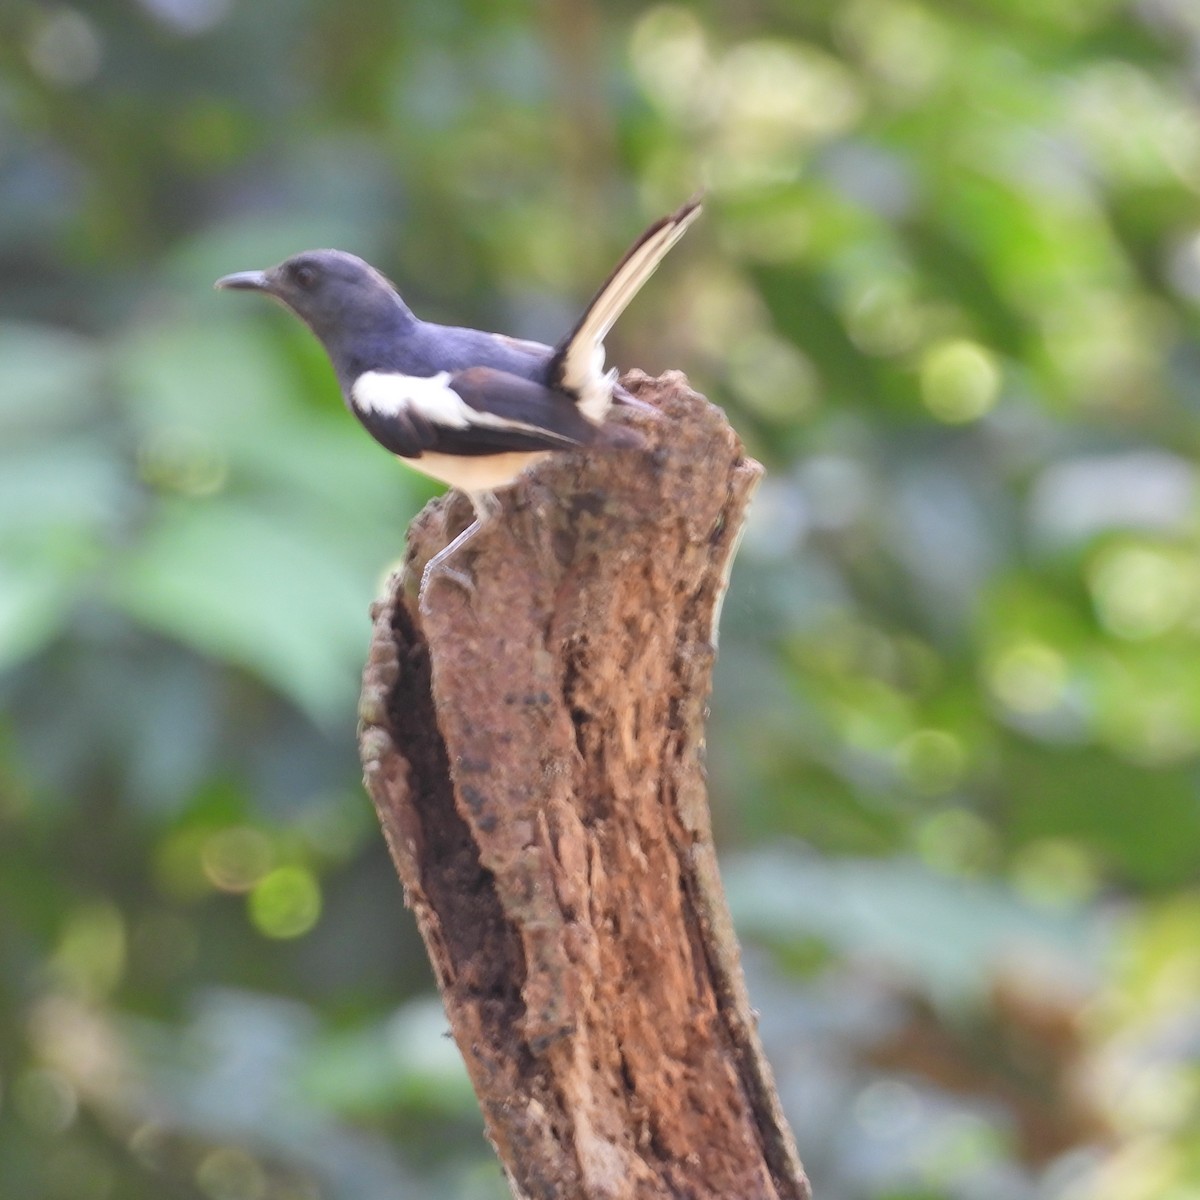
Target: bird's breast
480, 473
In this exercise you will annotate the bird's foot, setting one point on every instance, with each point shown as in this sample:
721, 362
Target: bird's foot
439, 567
441, 570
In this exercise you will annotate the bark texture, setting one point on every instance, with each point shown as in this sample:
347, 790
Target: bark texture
535, 751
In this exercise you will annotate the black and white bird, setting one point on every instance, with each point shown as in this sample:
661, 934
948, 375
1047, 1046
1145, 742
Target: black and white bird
471, 409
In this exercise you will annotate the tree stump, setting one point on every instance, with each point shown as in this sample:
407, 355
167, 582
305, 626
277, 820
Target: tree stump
535, 752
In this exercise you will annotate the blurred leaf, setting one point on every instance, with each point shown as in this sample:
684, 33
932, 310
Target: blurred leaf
948, 935
412, 1060
217, 377
47, 375
257, 591
34, 601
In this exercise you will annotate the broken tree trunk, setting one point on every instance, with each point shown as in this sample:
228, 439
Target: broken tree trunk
535, 751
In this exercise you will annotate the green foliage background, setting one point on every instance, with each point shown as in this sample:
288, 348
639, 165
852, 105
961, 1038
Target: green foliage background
947, 290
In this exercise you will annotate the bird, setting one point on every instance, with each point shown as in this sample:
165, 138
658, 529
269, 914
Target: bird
469, 408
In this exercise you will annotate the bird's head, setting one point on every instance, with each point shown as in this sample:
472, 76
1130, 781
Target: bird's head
331, 291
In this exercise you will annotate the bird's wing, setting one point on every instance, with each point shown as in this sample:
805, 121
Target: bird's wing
476, 411
578, 362
394, 422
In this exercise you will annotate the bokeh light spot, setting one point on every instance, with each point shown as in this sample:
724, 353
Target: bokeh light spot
960, 381
286, 903
182, 460
957, 841
1028, 677
932, 760
150, 1145
91, 953
772, 90
882, 317
773, 377
904, 46
229, 1173
670, 58
178, 866
64, 48
1054, 871
1142, 591
237, 858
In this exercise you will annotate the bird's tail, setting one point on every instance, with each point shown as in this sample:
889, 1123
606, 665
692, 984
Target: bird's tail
578, 364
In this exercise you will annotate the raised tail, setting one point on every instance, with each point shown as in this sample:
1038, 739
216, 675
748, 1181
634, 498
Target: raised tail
578, 363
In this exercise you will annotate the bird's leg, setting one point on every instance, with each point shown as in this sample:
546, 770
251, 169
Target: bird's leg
486, 507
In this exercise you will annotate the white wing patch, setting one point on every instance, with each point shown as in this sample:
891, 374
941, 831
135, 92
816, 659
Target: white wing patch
388, 393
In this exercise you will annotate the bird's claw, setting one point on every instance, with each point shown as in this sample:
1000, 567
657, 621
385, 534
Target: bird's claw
439, 565
434, 570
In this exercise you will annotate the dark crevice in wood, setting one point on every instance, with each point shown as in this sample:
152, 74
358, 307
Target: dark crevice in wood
460, 889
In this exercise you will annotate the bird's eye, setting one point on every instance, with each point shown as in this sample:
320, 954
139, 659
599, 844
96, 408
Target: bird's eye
304, 275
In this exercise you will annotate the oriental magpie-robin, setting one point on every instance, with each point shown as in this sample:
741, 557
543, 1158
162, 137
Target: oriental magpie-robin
471, 409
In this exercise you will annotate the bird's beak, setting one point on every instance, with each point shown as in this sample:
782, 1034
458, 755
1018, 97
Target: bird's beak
250, 281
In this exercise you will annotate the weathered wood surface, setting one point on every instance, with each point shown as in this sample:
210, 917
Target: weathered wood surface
535, 751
